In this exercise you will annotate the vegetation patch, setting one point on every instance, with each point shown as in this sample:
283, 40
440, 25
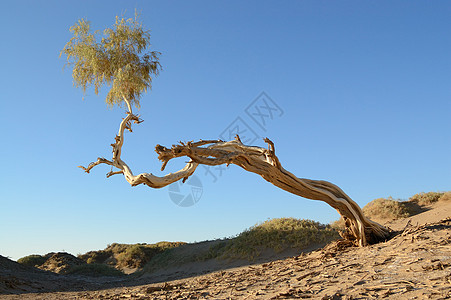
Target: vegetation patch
383, 209
445, 197
127, 255
424, 199
338, 225
278, 235
34, 260
387, 209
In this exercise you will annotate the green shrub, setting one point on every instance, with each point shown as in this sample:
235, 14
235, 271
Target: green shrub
94, 270
389, 208
32, 260
426, 198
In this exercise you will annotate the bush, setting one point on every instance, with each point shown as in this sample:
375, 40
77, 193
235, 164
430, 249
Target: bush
426, 198
94, 270
339, 224
445, 197
96, 257
278, 235
389, 208
127, 255
133, 257
137, 255
33, 260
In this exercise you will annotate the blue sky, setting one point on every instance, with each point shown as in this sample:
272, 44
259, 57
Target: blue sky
363, 89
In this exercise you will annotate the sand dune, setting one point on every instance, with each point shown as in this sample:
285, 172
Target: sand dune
415, 264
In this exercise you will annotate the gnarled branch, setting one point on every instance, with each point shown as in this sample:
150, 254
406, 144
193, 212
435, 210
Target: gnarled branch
143, 178
264, 162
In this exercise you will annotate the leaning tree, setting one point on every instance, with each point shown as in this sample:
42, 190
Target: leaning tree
120, 60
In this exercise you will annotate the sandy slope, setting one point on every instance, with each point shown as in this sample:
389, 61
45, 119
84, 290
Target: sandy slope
414, 265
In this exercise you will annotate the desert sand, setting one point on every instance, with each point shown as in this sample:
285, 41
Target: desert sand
415, 264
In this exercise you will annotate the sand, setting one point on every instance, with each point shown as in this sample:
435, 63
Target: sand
415, 264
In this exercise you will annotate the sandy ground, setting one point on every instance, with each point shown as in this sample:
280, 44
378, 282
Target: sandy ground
416, 264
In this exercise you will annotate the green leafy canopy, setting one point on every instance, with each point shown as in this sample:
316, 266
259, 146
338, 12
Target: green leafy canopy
119, 59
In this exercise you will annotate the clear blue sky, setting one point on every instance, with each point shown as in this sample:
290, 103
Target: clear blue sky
364, 87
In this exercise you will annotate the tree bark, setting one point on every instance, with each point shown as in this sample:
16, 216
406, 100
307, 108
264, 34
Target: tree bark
264, 162
149, 179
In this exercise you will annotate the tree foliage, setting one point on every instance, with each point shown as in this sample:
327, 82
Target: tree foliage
118, 59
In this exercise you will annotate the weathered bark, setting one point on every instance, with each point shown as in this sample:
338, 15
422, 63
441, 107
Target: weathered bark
149, 179
359, 229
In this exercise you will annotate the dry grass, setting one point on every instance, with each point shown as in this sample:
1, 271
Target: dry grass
128, 255
386, 209
338, 225
424, 199
33, 260
278, 235
445, 197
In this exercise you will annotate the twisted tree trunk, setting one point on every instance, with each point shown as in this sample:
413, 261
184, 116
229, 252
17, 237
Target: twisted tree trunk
359, 229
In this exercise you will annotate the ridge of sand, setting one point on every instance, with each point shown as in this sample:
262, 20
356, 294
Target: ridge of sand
435, 212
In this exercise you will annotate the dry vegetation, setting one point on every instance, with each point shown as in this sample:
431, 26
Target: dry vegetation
424, 199
278, 235
128, 256
108, 262
389, 209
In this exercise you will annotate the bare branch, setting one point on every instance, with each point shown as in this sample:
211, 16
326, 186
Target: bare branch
143, 178
99, 161
111, 173
261, 161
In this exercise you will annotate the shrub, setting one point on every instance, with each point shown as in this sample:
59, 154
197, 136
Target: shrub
338, 225
389, 208
127, 255
133, 257
33, 260
137, 255
426, 198
96, 257
279, 235
445, 197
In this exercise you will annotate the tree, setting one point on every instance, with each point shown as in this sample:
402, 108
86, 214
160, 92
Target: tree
119, 61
